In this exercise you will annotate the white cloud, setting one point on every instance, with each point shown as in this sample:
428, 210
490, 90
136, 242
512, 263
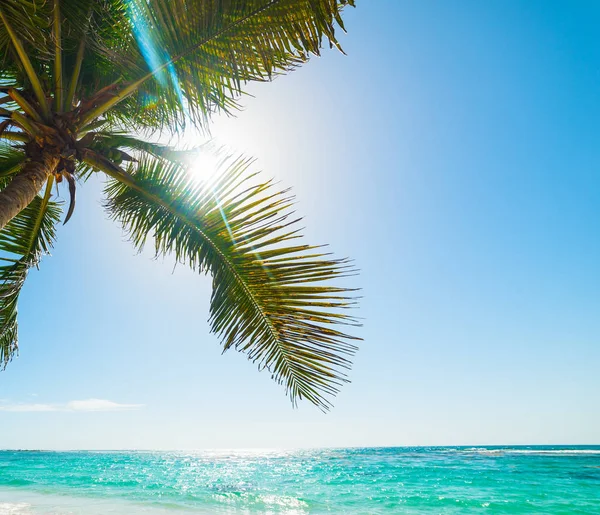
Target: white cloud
85, 405
100, 405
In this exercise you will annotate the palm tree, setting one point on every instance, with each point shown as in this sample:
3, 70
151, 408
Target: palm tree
84, 80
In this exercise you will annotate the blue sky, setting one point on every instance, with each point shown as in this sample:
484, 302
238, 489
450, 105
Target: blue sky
454, 153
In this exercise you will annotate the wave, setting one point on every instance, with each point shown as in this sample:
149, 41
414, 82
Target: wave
538, 452
17, 482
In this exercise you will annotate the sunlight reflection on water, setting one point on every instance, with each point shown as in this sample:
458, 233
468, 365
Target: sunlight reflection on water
297, 482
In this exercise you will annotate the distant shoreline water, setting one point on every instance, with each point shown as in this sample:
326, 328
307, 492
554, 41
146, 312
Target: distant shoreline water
409, 480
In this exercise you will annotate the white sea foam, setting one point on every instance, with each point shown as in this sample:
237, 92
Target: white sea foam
556, 451
287, 502
13, 503
18, 508
538, 452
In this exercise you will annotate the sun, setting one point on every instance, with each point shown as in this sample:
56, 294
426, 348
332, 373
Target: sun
205, 164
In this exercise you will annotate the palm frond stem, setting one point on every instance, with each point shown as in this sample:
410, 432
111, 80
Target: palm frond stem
58, 67
26, 124
36, 84
78, 63
105, 165
23, 104
15, 136
45, 200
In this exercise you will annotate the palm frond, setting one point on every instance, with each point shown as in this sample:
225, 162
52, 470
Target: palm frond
11, 160
269, 298
29, 20
23, 242
25, 62
192, 57
122, 141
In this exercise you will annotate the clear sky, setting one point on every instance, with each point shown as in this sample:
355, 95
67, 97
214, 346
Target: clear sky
454, 153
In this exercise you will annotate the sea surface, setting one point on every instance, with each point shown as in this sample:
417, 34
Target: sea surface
418, 480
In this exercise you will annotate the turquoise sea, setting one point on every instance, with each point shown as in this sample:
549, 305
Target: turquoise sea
419, 480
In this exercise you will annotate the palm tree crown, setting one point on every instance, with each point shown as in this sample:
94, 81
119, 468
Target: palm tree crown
81, 80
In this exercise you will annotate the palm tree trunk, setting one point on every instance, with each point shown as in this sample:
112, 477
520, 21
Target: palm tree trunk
25, 186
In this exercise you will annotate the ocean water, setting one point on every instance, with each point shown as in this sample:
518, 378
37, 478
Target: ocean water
433, 480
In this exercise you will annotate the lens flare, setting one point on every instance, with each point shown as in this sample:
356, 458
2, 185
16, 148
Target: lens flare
154, 55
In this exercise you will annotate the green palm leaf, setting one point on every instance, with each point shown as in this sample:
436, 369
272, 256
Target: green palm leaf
108, 141
11, 159
200, 53
268, 299
23, 242
170, 62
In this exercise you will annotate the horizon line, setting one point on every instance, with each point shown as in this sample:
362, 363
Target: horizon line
274, 449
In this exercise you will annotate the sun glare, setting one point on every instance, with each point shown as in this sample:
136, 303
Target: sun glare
204, 166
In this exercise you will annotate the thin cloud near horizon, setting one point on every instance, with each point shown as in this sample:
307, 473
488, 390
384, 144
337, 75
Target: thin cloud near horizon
88, 405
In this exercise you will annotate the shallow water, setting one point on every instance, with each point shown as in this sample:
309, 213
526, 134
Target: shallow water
440, 480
